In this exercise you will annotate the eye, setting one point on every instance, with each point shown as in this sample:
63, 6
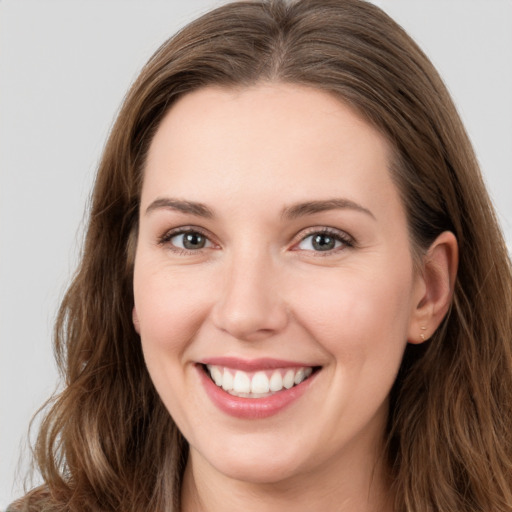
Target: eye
186, 240
324, 241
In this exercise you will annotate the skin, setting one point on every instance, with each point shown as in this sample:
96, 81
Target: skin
259, 288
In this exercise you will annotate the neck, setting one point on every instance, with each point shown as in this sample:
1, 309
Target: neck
345, 485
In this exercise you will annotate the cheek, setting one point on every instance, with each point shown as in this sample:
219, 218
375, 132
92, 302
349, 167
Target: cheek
169, 307
352, 313
170, 310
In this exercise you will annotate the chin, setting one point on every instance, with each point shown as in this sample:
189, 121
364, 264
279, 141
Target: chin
255, 465
261, 473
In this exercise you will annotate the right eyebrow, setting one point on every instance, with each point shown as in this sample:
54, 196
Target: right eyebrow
191, 207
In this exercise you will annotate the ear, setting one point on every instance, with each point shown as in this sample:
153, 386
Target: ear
435, 285
135, 320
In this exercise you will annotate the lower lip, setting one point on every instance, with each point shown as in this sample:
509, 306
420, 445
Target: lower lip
252, 408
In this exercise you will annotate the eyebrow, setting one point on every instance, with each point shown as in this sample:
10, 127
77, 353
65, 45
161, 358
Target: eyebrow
311, 207
191, 207
290, 212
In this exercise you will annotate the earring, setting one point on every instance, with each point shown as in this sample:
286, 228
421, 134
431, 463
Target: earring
422, 335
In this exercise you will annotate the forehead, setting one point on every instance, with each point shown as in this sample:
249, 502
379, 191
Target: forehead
270, 141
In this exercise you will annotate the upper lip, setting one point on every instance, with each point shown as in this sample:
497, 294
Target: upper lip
249, 365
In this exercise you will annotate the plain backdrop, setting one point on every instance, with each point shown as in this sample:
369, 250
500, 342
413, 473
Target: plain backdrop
64, 69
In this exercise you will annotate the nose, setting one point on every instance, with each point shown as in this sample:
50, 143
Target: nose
250, 303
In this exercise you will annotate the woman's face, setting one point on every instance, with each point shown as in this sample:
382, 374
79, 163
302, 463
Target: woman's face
274, 283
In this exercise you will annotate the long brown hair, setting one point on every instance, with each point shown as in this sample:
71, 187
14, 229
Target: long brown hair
107, 443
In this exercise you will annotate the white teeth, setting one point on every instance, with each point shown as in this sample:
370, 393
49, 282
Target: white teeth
227, 380
216, 374
299, 376
241, 382
276, 381
258, 384
289, 379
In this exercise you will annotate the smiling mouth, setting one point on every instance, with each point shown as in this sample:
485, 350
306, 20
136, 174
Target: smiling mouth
257, 384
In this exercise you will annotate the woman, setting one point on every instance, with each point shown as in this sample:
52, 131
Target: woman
293, 292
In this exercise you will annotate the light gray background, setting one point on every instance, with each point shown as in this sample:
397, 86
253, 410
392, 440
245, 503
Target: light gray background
64, 68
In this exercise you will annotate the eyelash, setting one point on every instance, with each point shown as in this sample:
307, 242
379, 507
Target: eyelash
339, 236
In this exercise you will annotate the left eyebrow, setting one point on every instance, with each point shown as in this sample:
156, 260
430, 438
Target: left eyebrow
311, 207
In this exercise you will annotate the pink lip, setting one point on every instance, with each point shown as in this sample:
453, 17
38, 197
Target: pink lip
252, 408
253, 364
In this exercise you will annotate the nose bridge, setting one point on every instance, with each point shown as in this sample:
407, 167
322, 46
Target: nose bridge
251, 305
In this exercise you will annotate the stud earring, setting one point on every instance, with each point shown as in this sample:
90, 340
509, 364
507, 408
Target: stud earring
422, 335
